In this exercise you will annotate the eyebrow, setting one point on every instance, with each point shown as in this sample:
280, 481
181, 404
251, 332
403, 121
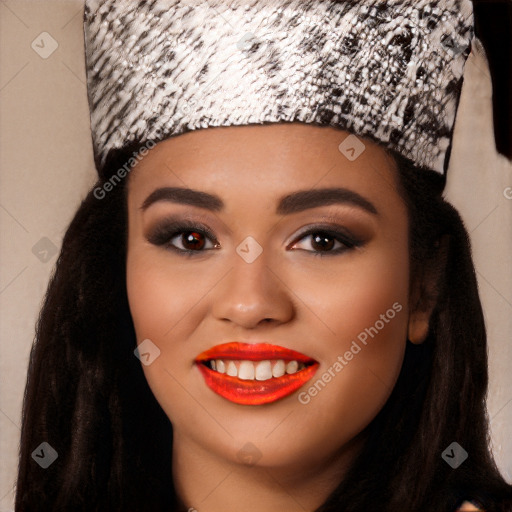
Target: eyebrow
292, 203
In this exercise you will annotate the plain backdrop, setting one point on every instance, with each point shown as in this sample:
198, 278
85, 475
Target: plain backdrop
47, 168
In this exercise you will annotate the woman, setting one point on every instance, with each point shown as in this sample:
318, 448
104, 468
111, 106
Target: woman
299, 297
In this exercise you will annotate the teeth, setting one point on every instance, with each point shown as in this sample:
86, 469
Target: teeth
246, 370
292, 367
256, 370
279, 369
263, 370
232, 371
220, 366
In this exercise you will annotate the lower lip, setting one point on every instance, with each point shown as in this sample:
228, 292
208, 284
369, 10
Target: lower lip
255, 392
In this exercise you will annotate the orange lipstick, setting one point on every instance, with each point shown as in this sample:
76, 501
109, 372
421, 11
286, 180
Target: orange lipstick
254, 374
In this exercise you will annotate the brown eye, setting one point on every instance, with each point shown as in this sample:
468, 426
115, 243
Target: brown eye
322, 242
193, 240
184, 238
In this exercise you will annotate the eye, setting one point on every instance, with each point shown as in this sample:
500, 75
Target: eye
327, 242
191, 239
184, 237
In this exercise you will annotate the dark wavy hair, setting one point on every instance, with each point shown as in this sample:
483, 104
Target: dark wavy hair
87, 396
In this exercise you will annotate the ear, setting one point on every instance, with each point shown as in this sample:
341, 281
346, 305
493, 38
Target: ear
419, 322
427, 279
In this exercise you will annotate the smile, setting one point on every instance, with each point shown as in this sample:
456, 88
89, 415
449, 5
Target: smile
254, 374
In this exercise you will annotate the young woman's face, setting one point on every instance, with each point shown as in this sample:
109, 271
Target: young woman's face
289, 242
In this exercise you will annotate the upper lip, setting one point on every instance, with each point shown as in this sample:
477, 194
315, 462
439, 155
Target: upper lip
252, 352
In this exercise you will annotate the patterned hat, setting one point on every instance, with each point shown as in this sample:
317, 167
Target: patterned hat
388, 70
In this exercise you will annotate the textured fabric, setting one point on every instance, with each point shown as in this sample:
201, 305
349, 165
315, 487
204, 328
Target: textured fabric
389, 70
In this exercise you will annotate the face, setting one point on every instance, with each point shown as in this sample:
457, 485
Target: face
287, 265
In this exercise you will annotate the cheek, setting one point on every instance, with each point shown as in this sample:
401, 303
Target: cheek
365, 318
168, 300
162, 304
162, 299
367, 292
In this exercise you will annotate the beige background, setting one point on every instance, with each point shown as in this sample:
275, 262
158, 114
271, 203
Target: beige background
47, 168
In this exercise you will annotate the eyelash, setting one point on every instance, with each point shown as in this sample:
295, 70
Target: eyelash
164, 233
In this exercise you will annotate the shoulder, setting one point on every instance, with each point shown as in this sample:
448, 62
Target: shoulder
467, 506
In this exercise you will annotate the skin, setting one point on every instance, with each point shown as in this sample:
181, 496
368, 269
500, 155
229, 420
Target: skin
288, 296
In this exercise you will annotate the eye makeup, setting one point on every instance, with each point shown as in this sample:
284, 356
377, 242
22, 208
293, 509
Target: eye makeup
322, 232
323, 236
164, 232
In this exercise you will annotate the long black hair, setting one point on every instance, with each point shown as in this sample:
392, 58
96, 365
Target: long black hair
87, 396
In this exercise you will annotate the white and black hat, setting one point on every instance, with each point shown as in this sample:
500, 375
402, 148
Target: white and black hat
388, 70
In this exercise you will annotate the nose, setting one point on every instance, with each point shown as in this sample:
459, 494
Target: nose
252, 294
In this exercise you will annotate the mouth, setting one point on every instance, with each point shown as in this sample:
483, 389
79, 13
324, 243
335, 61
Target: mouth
254, 374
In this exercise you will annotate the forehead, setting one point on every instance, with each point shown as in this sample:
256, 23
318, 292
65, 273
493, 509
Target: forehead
266, 161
